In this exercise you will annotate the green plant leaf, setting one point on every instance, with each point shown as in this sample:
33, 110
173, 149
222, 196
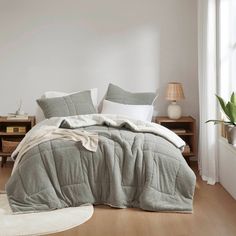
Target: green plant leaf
231, 111
233, 98
219, 122
222, 104
215, 121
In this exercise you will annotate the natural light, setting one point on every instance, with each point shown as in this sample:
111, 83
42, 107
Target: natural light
227, 45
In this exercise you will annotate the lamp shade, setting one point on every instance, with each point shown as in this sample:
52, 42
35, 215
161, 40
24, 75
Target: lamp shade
174, 91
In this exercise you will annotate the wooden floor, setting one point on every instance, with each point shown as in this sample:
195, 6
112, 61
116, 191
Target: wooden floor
214, 214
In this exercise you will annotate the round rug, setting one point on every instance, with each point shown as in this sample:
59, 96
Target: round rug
40, 223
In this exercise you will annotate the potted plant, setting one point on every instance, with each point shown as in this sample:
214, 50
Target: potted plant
229, 110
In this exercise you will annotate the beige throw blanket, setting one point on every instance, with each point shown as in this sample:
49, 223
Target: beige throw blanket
46, 133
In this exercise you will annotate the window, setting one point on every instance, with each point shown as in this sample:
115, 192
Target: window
227, 47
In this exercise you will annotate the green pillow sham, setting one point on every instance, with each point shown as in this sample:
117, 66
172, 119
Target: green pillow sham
119, 95
74, 104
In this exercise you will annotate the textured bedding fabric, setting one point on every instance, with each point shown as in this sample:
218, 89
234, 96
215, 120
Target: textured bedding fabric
72, 104
129, 169
117, 94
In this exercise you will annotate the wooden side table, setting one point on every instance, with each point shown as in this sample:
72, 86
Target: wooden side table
4, 123
185, 127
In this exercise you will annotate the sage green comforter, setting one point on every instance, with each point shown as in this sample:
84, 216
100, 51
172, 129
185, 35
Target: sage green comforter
128, 169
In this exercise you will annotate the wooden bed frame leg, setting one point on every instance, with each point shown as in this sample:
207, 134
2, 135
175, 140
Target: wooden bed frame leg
4, 160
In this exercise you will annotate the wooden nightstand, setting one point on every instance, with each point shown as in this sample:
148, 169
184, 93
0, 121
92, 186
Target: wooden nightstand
14, 135
185, 127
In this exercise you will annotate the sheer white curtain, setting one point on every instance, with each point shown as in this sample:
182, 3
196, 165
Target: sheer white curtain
207, 44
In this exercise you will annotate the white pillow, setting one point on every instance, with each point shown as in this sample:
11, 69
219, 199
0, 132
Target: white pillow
54, 94
138, 112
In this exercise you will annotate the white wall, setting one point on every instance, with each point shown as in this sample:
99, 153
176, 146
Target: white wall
71, 45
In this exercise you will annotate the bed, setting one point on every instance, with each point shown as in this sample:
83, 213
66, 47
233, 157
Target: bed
116, 161
75, 156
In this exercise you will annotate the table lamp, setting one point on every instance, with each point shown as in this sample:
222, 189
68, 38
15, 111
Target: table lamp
174, 93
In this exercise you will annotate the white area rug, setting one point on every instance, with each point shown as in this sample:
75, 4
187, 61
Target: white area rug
40, 223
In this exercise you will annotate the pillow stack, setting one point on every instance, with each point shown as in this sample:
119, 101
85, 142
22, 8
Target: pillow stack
133, 105
117, 101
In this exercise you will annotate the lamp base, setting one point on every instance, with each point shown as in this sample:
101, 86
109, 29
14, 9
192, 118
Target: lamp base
174, 111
